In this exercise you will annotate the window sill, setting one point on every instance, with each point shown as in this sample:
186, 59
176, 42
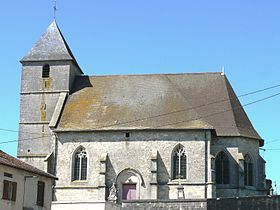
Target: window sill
79, 181
8, 200
184, 182
177, 180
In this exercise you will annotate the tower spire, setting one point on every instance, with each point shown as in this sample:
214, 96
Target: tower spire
54, 10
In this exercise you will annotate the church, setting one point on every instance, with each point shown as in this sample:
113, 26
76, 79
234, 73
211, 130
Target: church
117, 138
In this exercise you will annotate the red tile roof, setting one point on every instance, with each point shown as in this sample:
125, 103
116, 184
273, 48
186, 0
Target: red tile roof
13, 162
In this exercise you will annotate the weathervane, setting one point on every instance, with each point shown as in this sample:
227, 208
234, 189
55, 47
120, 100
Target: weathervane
54, 9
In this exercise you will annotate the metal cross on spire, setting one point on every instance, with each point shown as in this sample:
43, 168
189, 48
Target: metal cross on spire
54, 10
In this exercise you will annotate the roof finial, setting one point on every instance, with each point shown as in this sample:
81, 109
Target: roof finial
54, 10
223, 70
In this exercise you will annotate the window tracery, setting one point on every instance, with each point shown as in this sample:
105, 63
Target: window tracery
80, 165
179, 169
222, 168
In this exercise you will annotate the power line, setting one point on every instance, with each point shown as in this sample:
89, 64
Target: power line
8, 130
16, 131
206, 116
199, 106
272, 149
272, 141
251, 103
28, 139
258, 91
178, 111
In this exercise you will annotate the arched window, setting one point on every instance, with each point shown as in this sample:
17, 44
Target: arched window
80, 165
222, 168
179, 167
248, 170
46, 71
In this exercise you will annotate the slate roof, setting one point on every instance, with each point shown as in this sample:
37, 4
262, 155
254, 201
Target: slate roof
156, 101
13, 162
51, 46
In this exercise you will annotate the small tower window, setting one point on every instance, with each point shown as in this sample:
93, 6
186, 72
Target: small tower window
46, 71
127, 135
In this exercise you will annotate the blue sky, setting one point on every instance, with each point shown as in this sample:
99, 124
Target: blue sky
154, 36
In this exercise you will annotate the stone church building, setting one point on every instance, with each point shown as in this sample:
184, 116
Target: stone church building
113, 138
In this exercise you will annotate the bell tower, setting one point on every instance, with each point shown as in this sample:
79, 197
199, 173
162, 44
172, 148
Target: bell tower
48, 73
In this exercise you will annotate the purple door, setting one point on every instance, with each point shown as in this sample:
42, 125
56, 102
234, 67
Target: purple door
129, 192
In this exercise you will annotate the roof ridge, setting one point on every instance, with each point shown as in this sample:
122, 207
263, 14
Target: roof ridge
14, 162
153, 74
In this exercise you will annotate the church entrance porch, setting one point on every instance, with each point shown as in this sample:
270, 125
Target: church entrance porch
128, 183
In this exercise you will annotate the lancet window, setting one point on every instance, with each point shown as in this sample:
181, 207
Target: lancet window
179, 168
222, 168
80, 165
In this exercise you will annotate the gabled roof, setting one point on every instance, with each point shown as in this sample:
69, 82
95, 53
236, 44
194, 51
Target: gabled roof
13, 162
162, 101
51, 46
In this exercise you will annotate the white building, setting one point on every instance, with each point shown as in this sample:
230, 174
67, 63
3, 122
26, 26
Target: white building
23, 186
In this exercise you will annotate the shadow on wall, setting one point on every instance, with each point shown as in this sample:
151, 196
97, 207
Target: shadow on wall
80, 83
163, 178
235, 173
110, 175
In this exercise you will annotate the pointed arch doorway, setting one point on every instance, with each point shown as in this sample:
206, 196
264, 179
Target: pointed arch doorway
129, 182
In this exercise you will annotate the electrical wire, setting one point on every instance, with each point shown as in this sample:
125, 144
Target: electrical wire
276, 149
247, 104
164, 114
192, 108
28, 139
210, 115
272, 141
16, 131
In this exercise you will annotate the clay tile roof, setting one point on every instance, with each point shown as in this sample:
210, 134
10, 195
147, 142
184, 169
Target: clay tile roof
13, 162
161, 101
51, 46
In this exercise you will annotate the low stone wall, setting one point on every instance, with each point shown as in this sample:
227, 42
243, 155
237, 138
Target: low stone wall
197, 204
242, 203
245, 203
85, 205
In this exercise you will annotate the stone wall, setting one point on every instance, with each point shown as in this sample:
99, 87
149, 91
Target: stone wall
91, 205
133, 153
136, 152
236, 148
38, 100
199, 204
245, 203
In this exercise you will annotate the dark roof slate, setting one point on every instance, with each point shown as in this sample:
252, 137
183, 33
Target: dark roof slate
163, 101
51, 46
13, 162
